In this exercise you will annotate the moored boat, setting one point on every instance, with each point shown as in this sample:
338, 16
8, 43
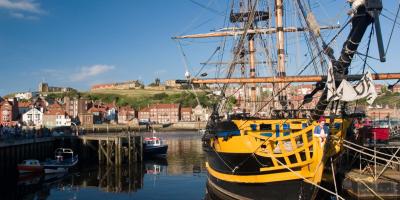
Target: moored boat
154, 147
30, 166
64, 159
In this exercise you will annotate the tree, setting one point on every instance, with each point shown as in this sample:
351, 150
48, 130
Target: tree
156, 83
230, 103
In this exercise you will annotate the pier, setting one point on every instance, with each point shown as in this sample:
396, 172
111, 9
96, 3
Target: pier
114, 148
111, 149
378, 176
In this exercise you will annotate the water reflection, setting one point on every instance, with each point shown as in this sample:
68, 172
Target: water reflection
181, 175
156, 166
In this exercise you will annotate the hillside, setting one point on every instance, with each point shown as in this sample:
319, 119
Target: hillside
135, 93
140, 98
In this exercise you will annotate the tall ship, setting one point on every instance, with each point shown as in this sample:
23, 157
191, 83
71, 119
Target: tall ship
273, 147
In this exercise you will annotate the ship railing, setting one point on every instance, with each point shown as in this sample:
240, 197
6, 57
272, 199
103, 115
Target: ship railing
295, 150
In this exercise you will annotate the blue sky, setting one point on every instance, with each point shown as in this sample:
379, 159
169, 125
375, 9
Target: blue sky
78, 43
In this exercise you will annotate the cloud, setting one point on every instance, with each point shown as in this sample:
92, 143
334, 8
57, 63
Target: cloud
22, 9
21, 5
23, 16
90, 71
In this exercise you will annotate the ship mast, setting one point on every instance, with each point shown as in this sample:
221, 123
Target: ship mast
252, 73
280, 38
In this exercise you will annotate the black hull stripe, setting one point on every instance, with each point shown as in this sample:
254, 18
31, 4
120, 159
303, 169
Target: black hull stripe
297, 189
243, 163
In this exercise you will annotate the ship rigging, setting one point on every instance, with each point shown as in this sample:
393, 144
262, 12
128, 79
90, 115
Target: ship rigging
250, 154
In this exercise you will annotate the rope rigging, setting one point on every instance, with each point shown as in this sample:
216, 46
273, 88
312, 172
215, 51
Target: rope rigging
299, 73
391, 33
237, 52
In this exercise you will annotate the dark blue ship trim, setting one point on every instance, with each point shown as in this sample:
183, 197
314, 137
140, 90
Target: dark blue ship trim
228, 134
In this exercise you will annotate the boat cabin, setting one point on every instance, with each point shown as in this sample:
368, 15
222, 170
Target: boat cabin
63, 153
152, 141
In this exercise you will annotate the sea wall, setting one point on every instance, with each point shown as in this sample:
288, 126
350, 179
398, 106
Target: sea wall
188, 125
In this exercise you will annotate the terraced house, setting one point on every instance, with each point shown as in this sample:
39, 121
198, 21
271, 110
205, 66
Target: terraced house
161, 113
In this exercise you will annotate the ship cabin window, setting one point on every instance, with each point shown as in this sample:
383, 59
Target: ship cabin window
265, 127
253, 127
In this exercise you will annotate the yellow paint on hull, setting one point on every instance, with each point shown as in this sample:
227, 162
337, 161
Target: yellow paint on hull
290, 142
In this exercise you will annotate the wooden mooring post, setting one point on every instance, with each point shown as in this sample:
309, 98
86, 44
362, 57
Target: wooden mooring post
114, 149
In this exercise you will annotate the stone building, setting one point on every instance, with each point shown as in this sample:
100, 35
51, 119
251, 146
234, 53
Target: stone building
186, 114
125, 115
75, 106
56, 116
160, 113
8, 112
144, 115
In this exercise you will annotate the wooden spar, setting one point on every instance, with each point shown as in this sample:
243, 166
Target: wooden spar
229, 63
288, 79
249, 32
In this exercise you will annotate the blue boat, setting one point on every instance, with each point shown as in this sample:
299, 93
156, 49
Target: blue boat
154, 147
64, 159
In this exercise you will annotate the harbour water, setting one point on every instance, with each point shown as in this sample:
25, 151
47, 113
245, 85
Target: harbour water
181, 175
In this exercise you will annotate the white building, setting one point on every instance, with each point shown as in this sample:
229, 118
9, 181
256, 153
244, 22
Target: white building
63, 120
200, 113
33, 117
25, 95
54, 118
111, 114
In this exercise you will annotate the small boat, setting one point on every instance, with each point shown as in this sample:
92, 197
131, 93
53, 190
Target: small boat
64, 159
154, 147
30, 166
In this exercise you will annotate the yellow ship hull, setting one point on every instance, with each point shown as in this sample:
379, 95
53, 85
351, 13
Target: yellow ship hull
245, 154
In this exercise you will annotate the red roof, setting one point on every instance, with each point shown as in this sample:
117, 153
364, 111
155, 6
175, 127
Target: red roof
55, 106
109, 105
96, 109
166, 105
4, 102
146, 109
55, 112
24, 104
187, 109
126, 108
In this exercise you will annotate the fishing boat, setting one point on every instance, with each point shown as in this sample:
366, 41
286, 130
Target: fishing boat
271, 149
30, 166
154, 147
64, 159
